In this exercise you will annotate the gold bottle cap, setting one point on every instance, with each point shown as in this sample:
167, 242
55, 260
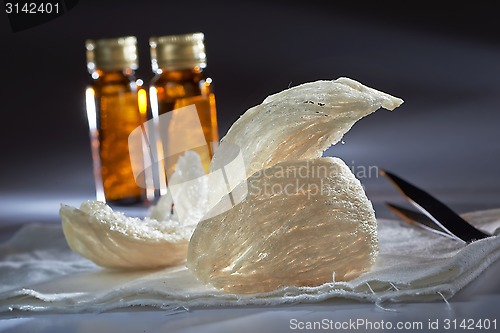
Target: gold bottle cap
178, 51
113, 54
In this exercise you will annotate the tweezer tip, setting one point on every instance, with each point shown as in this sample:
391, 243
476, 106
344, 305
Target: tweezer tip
386, 173
390, 205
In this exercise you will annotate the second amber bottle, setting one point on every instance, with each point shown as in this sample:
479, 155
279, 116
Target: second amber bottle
178, 62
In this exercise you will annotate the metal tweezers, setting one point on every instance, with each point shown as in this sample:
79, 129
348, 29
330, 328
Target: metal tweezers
433, 215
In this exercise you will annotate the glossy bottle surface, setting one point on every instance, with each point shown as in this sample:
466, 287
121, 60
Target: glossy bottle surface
117, 113
179, 88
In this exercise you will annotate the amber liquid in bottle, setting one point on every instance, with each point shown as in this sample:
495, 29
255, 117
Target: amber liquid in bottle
178, 88
118, 114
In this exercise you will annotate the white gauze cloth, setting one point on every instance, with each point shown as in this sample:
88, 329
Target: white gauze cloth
38, 272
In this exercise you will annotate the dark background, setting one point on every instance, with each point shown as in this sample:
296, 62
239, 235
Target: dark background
444, 62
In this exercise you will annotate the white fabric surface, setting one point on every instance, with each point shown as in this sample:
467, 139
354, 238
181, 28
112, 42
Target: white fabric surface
38, 272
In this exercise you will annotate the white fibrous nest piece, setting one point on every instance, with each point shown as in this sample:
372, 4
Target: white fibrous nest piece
299, 123
290, 218
305, 218
111, 239
301, 222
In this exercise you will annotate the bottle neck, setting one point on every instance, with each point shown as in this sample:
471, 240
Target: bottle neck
113, 76
195, 73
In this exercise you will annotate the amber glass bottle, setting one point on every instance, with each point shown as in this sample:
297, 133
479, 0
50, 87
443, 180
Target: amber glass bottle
179, 62
112, 98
